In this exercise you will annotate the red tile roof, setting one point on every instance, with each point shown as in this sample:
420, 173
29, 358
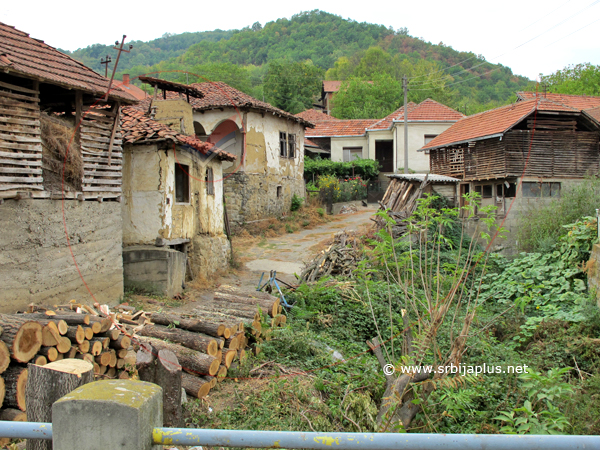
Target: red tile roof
494, 122
23, 55
315, 116
426, 111
579, 102
355, 127
309, 143
331, 86
594, 113
139, 128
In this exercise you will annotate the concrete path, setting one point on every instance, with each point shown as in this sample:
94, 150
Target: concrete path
287, 254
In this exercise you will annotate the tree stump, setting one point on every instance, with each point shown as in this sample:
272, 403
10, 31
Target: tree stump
168, 377
46, 384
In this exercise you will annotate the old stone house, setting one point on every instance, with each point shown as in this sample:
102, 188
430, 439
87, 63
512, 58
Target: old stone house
173, 218
268, 144
60, 177
383, 139
518, 155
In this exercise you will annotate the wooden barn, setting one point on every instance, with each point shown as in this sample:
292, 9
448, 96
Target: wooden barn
60, 177
517, 155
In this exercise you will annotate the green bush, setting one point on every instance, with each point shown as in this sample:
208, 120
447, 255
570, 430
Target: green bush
367, 169
296, 203
541, 225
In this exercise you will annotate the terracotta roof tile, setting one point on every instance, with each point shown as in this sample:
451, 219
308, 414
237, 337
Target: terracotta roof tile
331, 86
494, 122
314, 116
22, 55
309, 143
426, 111
137, 128
355, 127
579, 102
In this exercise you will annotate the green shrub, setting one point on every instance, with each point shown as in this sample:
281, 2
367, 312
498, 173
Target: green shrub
296, 203
367, 169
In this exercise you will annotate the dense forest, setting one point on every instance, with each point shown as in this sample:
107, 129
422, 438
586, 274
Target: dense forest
285, 61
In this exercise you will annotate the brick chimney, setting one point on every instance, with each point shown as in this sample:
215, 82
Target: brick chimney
126, 79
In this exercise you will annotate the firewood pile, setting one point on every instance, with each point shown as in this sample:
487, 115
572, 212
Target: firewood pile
400, 200
125, 343
340, 258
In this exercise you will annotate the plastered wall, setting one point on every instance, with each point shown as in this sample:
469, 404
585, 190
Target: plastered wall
36, 265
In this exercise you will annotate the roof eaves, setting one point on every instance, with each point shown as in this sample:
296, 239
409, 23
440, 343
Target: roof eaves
481, 138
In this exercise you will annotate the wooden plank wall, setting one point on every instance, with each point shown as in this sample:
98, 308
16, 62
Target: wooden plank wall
20, 139
102, 162
449, 162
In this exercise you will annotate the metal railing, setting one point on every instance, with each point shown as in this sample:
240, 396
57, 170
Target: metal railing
298, 439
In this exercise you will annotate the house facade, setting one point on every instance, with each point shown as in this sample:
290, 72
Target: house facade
383, 139
268, 144
60, 177
173, 212
522, 154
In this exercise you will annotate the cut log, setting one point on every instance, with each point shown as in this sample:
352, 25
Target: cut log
197, 387
60, 356
4, 357
211, 380
191, 360
189, 339
113, 334
103, 359
228, 357
23, 337
76, 334
96, 346
198, 325
124, 375
111, 372
120, 363
84, 347
64, 344
232, 343
96, 327
168, 377
89, 333
39, 360
48, 383
13, 415
122, 342
145, 365
15, 380
113, 359
70, 319
49, 338
222, 373
237, 302
242, 355
72, 353
101, 369
105, 323
123, 353
86, 357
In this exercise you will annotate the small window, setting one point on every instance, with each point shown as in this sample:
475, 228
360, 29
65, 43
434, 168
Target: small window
291, 145
429, 138
351, 153
487, 191
510, 190
478, 189
278, 191
182, 183
533, 189
210, 185
282, 144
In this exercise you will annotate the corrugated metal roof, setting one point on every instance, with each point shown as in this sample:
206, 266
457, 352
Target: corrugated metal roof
421, 176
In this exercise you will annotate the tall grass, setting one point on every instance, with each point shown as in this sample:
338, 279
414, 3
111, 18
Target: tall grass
541, 225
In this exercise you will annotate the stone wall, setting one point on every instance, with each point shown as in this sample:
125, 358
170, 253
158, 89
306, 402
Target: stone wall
255, 196
36, 265
209, 254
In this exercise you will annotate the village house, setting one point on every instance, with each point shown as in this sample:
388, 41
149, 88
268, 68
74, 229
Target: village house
173, 213
60, 183
383, 139
268, 144
521, 154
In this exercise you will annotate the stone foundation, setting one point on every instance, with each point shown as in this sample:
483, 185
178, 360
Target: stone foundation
255, 196
209, 254
36, 265
154, 270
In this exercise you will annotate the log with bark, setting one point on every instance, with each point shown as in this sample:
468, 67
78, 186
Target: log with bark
46, 384
197, 387
189, 339
23, 337
168, 376
190, 324
191, 361
15, 381
145, 364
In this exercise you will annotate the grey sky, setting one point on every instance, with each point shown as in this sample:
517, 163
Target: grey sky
530, 37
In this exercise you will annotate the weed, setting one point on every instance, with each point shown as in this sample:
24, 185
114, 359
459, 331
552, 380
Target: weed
296, 203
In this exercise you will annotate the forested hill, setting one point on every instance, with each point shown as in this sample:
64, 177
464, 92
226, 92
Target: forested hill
285, 61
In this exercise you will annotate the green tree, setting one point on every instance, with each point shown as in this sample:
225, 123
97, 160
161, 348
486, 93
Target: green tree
580, 79
428, 80
292, 86
359, 98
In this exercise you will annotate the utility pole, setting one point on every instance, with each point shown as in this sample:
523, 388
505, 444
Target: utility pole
405, 88
120, 49
105, 62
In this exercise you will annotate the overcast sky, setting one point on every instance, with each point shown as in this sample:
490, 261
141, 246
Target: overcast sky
530, 37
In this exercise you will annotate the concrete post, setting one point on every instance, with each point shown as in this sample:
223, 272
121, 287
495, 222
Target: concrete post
111, 414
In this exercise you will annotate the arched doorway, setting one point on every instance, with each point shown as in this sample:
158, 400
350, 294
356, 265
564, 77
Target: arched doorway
200, 132
227, 136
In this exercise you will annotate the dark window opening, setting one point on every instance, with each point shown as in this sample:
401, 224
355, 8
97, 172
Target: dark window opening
487, 191
478, 189
429, 138
291, 145
210, 185
510, 190
282, 144
278, 191
533, 189
182, 183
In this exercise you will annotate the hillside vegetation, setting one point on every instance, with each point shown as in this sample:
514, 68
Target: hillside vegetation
301, 51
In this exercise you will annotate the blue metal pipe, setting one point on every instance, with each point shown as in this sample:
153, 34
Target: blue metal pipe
25, 430
374, 441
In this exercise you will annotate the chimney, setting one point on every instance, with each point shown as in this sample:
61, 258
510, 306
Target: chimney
126, 79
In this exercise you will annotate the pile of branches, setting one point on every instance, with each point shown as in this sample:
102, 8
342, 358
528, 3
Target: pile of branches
340, 258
